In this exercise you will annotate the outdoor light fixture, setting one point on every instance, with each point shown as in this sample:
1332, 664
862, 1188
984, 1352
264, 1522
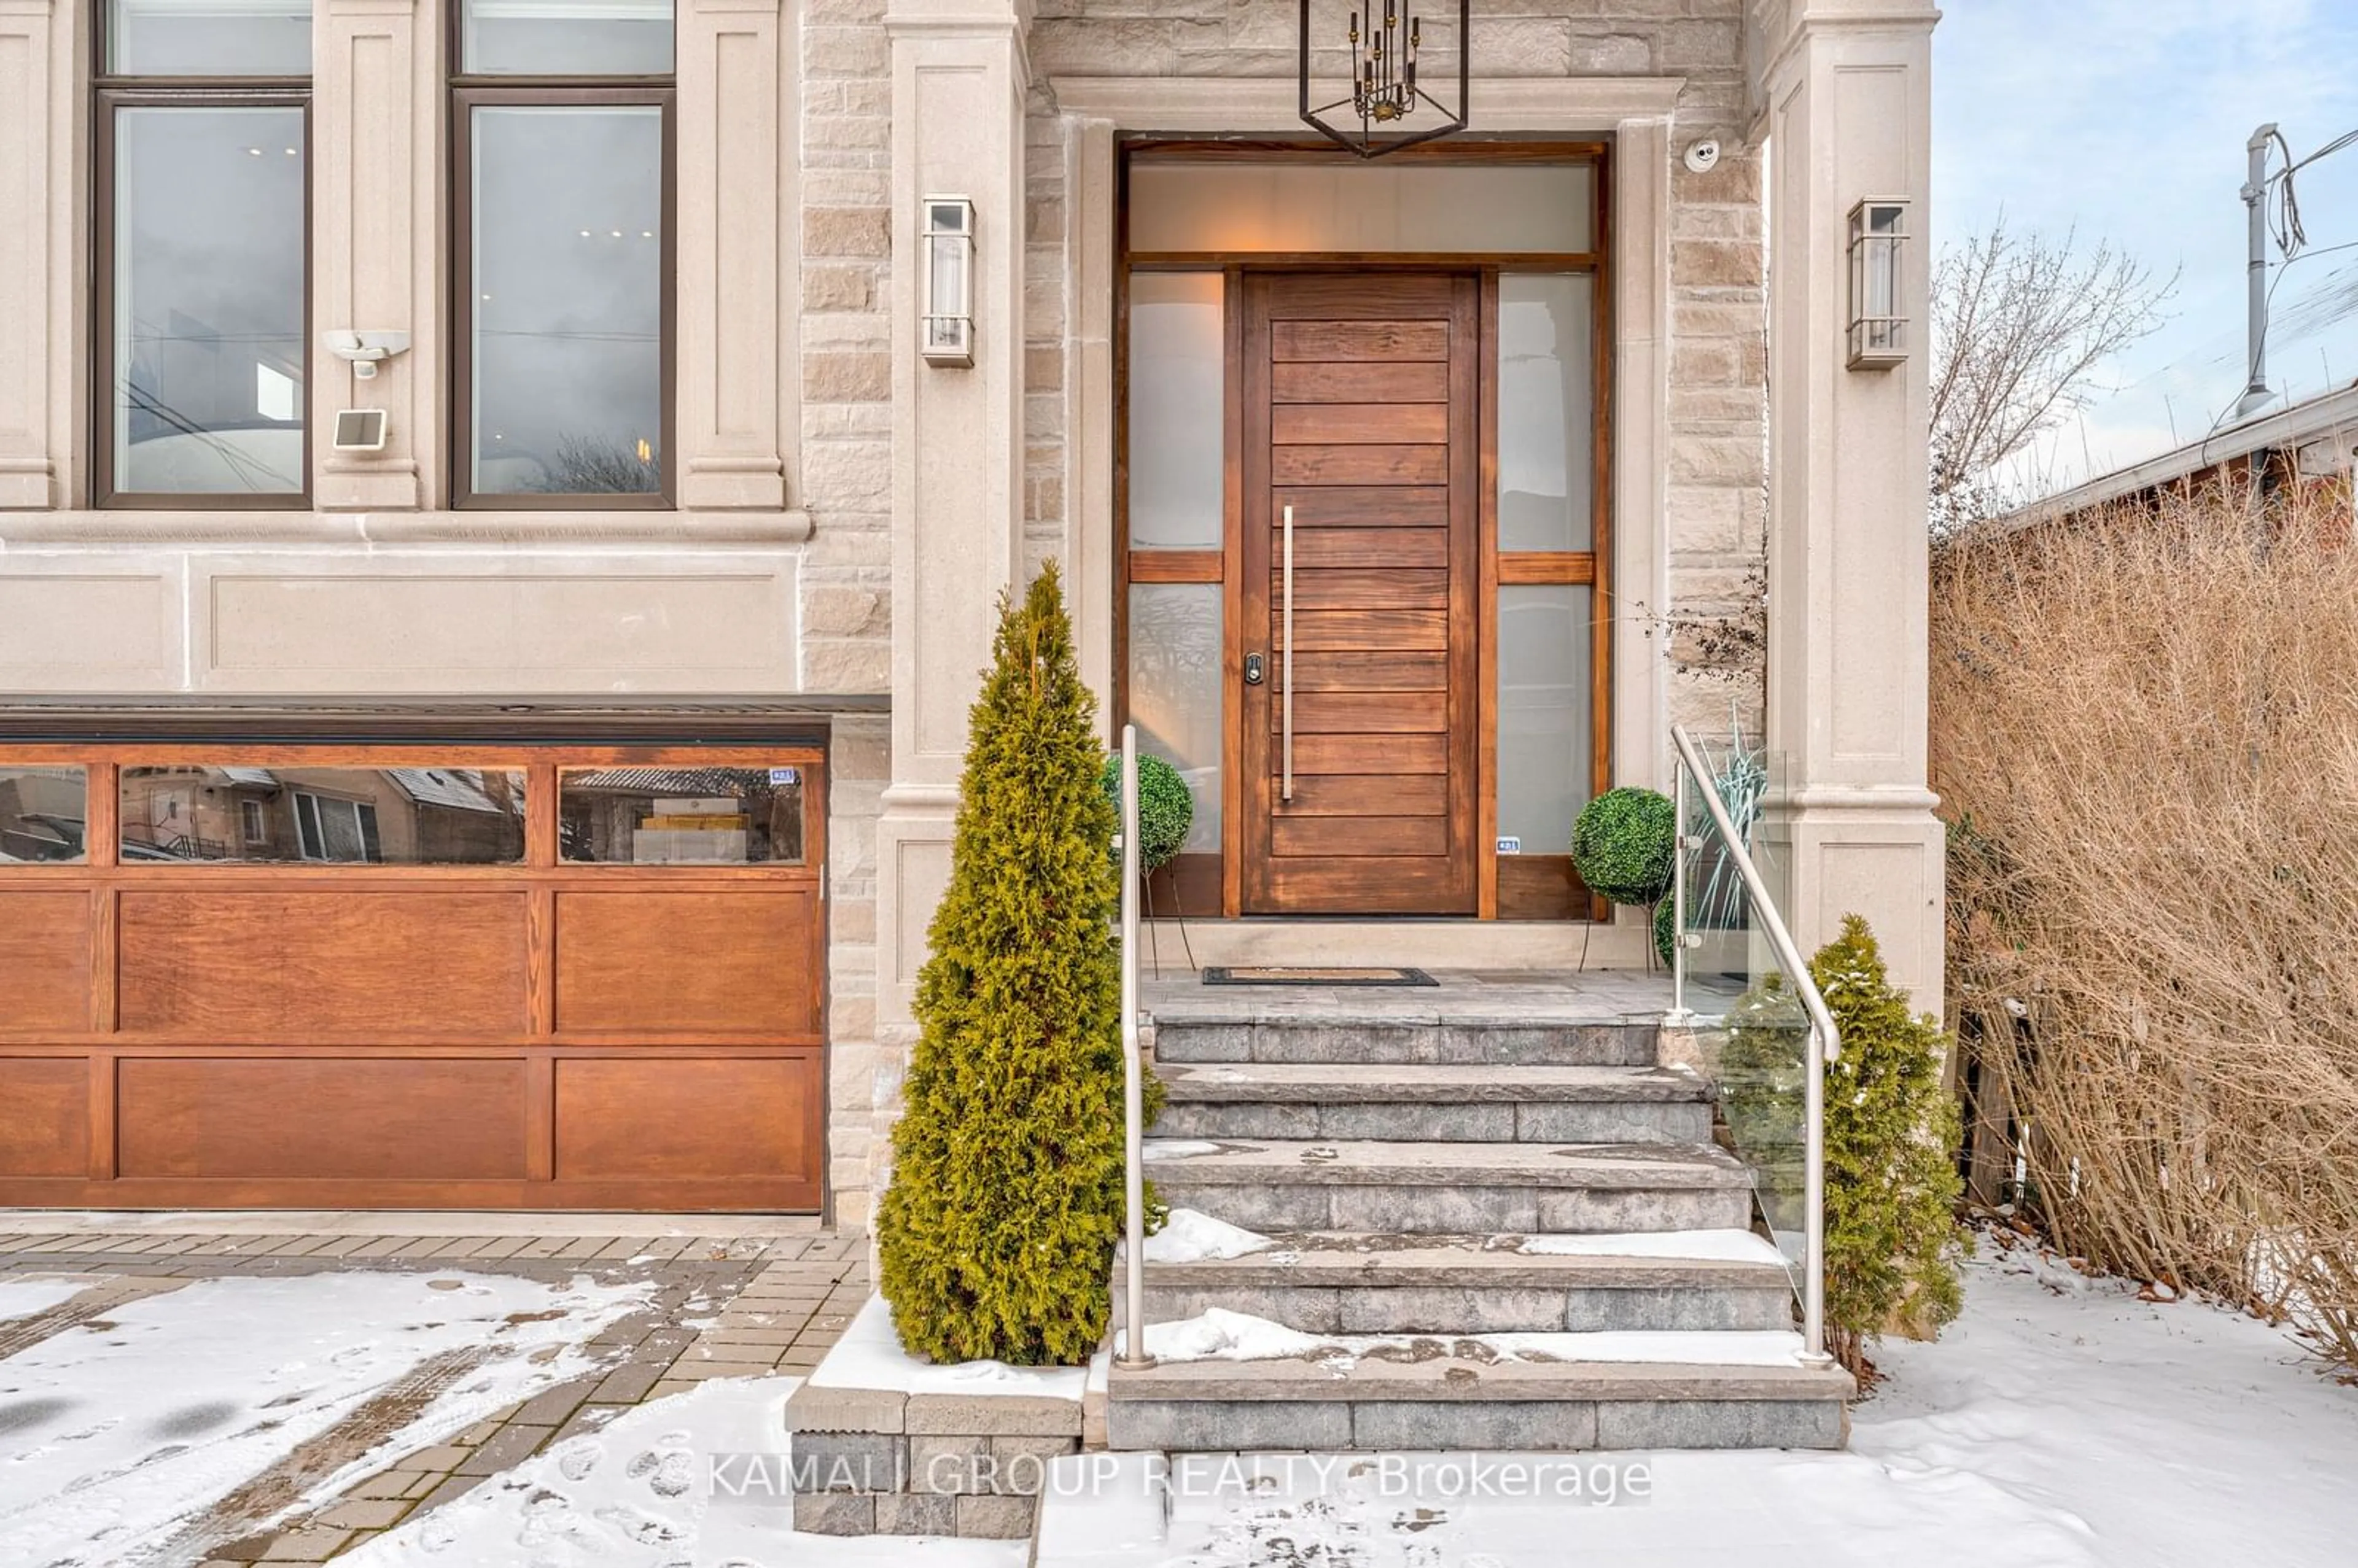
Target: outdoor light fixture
1384, 90
948, 327
1878, 316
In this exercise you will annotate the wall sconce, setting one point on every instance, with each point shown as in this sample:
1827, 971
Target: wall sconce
949, 332
1879, 318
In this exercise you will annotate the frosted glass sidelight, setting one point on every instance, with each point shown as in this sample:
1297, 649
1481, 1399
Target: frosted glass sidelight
1543, 718
1319, 208
1177, 399
1174, 691
1547, 403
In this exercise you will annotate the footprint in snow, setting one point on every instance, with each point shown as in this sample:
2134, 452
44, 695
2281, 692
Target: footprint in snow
645, 1530
576, 1459
675, 1475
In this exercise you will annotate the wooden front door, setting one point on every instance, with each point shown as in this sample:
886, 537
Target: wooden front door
1360, 395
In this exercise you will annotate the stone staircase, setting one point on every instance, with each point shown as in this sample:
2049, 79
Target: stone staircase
1441, 1170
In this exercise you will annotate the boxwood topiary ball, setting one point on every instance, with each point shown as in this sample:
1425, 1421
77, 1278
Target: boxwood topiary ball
1666, 932
1625, 845
1166, 809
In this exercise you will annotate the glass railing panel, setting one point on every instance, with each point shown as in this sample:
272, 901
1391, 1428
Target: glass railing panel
1752, 1032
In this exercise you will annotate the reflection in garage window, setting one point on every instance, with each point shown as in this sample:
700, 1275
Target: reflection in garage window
41, 814
681, 817
407, 816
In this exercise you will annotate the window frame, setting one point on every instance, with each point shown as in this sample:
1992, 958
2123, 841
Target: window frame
110, 92
467, 92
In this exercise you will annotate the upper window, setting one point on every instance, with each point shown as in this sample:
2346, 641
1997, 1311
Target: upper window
567, 37
562, 119
201, 252
208, 38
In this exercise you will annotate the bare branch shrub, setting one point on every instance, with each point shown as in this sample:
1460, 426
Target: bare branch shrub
2019, 326
2145, 732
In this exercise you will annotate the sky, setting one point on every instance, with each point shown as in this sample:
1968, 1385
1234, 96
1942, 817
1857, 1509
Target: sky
2126, 120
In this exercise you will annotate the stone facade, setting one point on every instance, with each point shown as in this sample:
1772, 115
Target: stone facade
847, 515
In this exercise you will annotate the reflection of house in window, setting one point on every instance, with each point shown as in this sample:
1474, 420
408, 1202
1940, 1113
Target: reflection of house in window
377, 816
336, 829
711, 816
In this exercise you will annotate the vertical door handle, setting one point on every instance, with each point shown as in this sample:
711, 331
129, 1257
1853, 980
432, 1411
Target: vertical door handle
1286, 697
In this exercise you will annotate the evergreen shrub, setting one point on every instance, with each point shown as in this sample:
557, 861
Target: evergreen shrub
1623, 844
996, 1235
1167, 808
1892, 1238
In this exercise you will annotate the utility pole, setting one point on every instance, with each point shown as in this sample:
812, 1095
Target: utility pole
2256, 395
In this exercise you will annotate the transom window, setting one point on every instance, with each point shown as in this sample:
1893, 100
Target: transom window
202, 252
561, 121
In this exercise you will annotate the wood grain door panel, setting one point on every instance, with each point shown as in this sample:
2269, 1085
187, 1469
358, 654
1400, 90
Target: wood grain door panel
721, 964
322, 1118
45, 959
1360, 397
261, 962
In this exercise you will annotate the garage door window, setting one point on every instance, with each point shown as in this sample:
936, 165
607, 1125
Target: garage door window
42, 814
291, 814
681, 817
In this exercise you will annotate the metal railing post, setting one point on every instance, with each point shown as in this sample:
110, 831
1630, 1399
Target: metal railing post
1679, 1014
1134, 1356
1824, 1046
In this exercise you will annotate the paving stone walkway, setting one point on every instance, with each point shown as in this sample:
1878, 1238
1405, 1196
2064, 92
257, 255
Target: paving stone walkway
723, 1306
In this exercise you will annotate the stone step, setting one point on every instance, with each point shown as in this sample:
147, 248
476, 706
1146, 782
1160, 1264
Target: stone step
1331, 1282
1394, 1037
1476, 1103
1460, 1394
1428, 1188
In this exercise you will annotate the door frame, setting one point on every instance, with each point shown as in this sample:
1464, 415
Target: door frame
1554, 893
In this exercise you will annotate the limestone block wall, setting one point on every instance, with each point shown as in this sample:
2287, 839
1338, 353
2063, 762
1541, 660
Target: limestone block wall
846, 325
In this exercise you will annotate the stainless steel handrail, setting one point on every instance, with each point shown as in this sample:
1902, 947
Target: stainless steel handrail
1286, 790
1134, 1086
1824, 1045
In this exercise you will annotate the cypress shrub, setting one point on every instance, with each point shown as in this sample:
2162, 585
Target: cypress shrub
1892, 1238
1166, 809
1624, 843
996, 1235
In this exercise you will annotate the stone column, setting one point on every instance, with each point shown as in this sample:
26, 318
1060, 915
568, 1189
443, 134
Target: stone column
958, 82
1845, 89
737, 234
373, 182
39, 248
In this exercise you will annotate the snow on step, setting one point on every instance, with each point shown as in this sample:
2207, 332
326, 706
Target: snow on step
1221, 1335
1712, 1246
1256, 1161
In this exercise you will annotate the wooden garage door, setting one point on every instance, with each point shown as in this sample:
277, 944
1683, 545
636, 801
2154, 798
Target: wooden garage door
364, 977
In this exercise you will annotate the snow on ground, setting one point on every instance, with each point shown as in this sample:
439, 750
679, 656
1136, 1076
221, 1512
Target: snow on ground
641, 1492
24, 1298
869, 1355
2173, 1433
1190, 1237
1219, 1335
115, 1433
2060, 1423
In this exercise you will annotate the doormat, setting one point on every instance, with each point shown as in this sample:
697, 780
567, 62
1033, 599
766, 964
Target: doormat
1297, 975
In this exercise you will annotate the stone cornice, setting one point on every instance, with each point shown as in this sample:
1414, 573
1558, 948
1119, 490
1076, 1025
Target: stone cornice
1230, 104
